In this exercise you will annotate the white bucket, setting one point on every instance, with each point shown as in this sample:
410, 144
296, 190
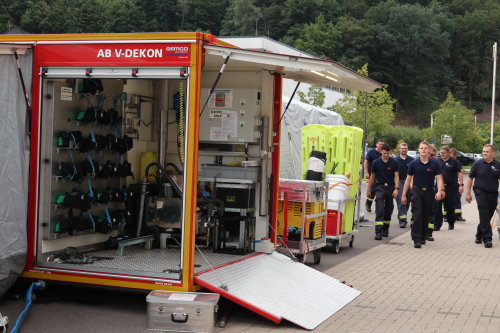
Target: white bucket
338, 189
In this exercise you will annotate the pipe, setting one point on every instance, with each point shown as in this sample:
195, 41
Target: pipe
264, 204
140, 217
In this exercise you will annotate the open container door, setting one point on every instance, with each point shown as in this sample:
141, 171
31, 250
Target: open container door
273, 286
13, 161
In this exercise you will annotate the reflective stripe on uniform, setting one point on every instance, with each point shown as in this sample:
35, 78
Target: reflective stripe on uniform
370, 199
458, 211
379, 222
387, 222
431, 225
403, 216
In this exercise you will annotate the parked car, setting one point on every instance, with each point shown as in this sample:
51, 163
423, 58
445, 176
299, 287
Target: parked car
462, 158
412, 153
471, 155
477, 157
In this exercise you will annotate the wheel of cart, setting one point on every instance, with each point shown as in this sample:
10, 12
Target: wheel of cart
317, 256
335, 247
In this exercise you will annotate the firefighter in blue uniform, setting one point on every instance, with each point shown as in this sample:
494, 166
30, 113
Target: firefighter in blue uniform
421, 173
403, 161
458, 195
451, 170
371, 156
435, 205
383, 179
485, 174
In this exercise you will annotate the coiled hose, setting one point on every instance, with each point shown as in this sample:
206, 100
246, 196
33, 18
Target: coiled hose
36, 285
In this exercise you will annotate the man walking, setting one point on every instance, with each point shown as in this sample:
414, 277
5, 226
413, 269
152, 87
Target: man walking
403, 162
421, 173
371, 156
485, 174
458, 195
383, 180
453, 178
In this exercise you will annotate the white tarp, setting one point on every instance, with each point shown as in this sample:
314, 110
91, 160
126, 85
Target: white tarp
297, 116
13, 168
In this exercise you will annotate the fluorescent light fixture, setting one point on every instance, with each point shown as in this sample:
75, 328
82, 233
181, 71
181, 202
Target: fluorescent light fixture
325, 76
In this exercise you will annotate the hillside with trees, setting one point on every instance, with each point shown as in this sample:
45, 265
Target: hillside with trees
421, 50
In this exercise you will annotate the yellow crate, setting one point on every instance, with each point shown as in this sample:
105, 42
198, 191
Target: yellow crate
295, 218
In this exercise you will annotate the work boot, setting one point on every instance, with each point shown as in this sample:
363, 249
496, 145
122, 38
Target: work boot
429, 238
487, 244
378, 237
368, 208
417, 245
402, 224
477, 240
451, 227
423, 242
385, 233
459, 219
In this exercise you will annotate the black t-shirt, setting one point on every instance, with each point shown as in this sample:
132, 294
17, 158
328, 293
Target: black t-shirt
424, 174
384, 171
371, 156
486, 175
403, 166
450, 170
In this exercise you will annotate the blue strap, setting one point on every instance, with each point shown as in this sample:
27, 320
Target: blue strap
100, 101
91, 193
91, 219
91, 162
92, 136
107, 215
74, 167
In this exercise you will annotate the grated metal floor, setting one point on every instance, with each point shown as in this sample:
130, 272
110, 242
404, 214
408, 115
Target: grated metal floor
136, 258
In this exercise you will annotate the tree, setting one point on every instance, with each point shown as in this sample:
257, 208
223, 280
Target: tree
202, 15
379, 110
410, 50
473, 38
319, 38
242, 17
124, 16
455, 120
315, 96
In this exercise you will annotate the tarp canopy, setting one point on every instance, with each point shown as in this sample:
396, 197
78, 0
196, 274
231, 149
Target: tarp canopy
13, 164
297, 116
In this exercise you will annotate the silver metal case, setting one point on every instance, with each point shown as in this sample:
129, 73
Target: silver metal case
182, 311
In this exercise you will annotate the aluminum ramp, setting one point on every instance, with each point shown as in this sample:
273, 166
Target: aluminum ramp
276, 287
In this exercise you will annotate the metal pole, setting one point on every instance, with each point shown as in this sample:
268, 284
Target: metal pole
493, 93
362, 171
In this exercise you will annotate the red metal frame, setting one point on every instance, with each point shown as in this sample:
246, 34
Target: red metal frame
275, 154
74, 54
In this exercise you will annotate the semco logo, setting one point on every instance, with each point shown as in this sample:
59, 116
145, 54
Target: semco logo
177, 49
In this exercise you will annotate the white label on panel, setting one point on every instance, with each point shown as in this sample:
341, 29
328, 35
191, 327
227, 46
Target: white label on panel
221, 98
215, 114
216, 134
66, 94
230, 124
